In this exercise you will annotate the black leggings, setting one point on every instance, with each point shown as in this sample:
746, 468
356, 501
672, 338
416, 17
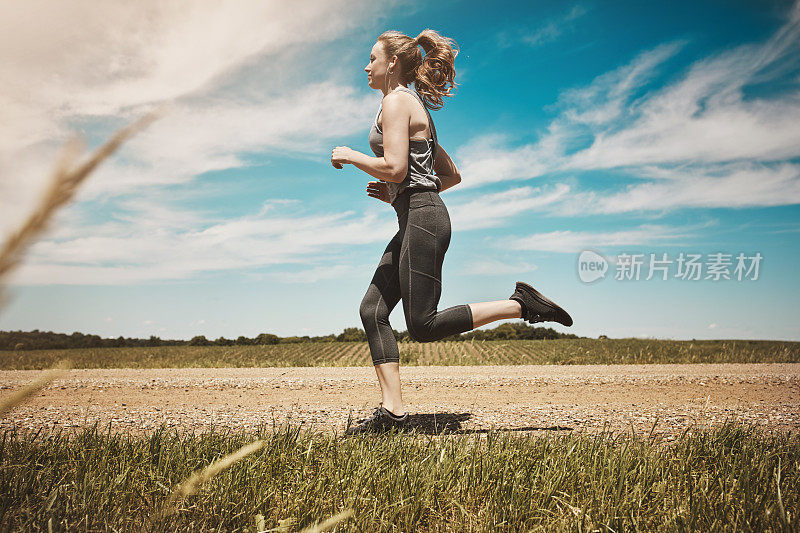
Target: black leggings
411, 269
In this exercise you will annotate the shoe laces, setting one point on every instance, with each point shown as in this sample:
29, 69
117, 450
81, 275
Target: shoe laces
376, 414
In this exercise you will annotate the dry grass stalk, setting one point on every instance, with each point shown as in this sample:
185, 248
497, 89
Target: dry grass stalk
67, 176
330, 522
191, 484
44, 378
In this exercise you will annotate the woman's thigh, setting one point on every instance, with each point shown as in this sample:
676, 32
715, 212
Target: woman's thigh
426, 239
385, 283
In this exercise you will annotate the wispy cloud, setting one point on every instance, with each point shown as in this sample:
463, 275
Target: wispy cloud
202, 137
607, 102
496, 209
703, 139
548, 32
152, 240
728, 185
312, 275
554, 28
704, 117
568, 241
177, 248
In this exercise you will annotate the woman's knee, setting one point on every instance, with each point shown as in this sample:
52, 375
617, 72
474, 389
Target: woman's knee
367, 309
370, 310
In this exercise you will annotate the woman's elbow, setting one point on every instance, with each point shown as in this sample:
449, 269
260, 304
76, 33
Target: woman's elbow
453, 179
398, 174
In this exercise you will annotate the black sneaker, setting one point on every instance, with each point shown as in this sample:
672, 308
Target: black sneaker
537, 308
380, 421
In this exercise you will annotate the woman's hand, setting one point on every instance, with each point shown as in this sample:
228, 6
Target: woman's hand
341, 156
379, 190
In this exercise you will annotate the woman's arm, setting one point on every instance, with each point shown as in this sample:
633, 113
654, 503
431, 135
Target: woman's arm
393, 166
445, 169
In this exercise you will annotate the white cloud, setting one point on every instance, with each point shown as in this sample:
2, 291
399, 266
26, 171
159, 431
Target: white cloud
155, 240
555, 28
496, 209
237, 74
64, 60
702, 139
151, 240
548, 32
485, 159
311, 275
198, 138
729, 185
177, 248
568, 241
608, 98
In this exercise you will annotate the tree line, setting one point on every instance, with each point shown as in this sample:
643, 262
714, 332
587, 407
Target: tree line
48, 340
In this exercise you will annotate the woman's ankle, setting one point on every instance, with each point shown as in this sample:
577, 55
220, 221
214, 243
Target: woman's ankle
395, 409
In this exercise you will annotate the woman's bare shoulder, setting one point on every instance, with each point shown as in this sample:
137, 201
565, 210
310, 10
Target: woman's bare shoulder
398, 99
396, 105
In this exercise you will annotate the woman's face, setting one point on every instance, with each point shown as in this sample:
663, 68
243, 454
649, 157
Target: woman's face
377, 67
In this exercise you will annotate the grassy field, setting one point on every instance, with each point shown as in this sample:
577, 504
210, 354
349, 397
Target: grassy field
511, 352
734, 477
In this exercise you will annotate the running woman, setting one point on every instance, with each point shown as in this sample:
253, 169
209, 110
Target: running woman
411, 170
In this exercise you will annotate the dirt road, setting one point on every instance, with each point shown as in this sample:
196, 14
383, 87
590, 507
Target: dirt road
518, 398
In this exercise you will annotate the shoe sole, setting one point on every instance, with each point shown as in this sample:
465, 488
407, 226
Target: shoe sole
374, 431
544, 300
398, 425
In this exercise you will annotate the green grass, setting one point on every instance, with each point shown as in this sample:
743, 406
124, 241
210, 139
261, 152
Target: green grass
726, 479
511, 352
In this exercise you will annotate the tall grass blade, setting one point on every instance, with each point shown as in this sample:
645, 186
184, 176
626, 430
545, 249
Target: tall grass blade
190, 485
330, 522
67, 176
20, 396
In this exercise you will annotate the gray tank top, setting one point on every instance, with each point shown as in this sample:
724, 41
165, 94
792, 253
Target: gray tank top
421, 154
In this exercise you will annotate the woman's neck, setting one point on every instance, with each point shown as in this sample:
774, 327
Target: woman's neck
394, 84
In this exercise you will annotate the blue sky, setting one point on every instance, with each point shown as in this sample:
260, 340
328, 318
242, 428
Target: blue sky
617, 127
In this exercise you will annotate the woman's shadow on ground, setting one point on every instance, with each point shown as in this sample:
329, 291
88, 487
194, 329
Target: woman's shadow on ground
440, 423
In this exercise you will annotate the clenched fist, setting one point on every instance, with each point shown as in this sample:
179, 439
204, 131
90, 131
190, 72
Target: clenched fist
341, 156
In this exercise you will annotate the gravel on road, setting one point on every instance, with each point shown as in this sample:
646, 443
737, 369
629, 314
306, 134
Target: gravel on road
664, 399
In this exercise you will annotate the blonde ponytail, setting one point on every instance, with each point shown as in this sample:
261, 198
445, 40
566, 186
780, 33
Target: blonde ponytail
433, 74
437, 70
